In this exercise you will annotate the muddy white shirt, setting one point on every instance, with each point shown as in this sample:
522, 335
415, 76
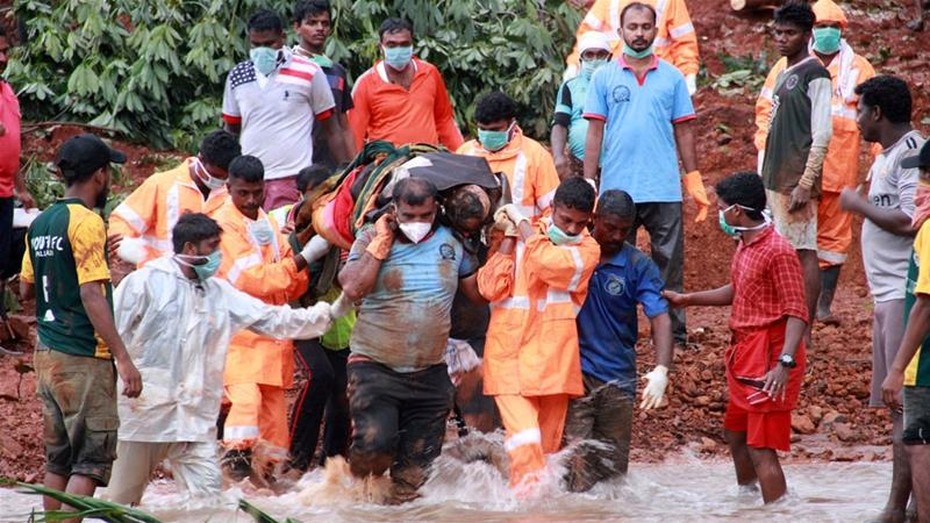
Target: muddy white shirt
277, 112
885, 255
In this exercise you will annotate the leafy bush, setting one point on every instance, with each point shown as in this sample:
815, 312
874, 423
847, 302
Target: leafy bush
154, 70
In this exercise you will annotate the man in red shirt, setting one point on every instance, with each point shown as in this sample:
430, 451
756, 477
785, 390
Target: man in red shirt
12, 185
402, 99
766, 359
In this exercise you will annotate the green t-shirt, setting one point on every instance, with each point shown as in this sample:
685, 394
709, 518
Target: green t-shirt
66, 249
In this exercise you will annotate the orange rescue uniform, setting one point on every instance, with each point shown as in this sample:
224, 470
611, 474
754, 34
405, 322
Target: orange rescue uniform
531, 361
386, 111
841, 166
676, 41
258, 369
529, 169
152, 210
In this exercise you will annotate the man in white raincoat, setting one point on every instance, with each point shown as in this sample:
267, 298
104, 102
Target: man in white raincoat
176, 322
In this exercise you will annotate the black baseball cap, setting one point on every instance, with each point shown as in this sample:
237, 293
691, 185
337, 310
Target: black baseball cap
84, 154
921, 160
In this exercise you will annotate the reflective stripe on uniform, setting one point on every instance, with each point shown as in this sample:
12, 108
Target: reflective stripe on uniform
240, 432
579, 269
515, 302
243, 264
524, 437
131, 217
681, 30
835, 258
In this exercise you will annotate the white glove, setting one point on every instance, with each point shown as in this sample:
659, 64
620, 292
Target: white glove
315, 249
592, 183
691, 82
514, 214
132, 250
760, 158
654, 392
341, 306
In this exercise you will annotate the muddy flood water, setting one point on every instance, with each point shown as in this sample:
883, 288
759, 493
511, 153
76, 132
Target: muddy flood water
684, 488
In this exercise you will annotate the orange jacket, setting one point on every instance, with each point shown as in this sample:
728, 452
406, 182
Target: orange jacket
847, 70
529, 169
532, 342
385, 111
267, 272
152, 210
676, 42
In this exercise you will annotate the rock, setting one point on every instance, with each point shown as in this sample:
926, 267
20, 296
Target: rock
702, 401
707, 375
816, 413
831, 418
795, 438
9, 446
845, 432
802, 424
847, 455
708, 446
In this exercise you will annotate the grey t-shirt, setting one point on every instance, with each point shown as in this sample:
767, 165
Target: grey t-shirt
884, 254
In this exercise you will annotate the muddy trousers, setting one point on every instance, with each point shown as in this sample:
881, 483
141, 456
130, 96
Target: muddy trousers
534, 426
398, 421
194, 466
663, 222
325, 392
258, 413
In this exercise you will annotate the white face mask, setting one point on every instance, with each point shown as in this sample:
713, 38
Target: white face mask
416, 231
211, 182
261, 231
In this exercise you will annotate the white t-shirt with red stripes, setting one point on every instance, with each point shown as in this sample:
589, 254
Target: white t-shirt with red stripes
277, 111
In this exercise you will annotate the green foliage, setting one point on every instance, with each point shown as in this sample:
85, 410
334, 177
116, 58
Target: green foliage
154, 70
741, 73
85, 506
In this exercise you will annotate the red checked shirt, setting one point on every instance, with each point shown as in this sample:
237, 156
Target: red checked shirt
767, 283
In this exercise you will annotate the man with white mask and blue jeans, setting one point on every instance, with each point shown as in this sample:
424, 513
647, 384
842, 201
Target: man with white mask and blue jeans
404, 271
268, 103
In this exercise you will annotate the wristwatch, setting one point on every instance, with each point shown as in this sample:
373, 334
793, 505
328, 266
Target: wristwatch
787, 360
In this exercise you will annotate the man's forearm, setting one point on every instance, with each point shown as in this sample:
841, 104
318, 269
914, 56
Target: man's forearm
713, 298
558, 138
891, 220
592, 148
662, 338
794, 331
358, 277
684, 140
918, 327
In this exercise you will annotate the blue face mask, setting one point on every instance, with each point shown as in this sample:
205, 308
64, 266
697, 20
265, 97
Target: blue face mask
398, 57
629, 51
495, 140
202, 270
560, 237
265, 59
827, 39
589, 66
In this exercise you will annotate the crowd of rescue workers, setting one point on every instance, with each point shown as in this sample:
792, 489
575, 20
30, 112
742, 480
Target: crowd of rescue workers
419, 279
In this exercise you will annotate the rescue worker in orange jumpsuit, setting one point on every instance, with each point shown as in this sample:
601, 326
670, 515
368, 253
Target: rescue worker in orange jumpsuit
676, 41
529, 167
258, 260
143, 221
841, 166
532, 361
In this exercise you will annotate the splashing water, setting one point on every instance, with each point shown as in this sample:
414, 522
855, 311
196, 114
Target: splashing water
467, 485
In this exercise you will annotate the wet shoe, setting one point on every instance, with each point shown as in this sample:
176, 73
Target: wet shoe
237, 464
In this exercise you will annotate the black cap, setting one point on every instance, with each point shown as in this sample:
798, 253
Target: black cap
84, 154
921, 160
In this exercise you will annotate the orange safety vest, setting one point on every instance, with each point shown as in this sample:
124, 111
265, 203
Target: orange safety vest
847, 70
529, 169
535, 294
267, 272
676, 41
152, 210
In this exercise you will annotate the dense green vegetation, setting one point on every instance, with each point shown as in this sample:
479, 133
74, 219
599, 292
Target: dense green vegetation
154, 70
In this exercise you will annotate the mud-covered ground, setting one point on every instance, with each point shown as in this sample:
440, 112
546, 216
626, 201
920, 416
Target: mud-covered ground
832, 422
